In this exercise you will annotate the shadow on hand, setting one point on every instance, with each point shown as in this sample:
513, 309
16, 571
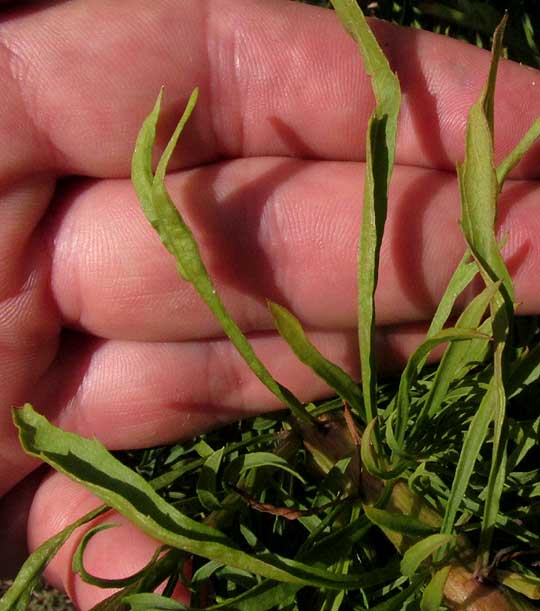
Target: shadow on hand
229, 227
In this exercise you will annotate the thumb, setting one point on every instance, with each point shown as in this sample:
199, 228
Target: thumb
115, 553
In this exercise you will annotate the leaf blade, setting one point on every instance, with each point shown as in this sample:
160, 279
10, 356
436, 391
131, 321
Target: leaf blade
380, 153
90, 464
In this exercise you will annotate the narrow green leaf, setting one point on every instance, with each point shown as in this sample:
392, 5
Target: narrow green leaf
472, 443
371, 461
478, 184
380, 152
141, 163
376, 464
207, 481
90, 464
398, 522
77, 564
169, 564
256, 460
179, 240
433, 594
479, 190
410, 372
291, 330
463, 275
23, 602
497, 473
517, 154
525, 436
261, 597
421, 551
525, 372
488, 94
455, 356
528, 585
399, 601
34, 565
205, 571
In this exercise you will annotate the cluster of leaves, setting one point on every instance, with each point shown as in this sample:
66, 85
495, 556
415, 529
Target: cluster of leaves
354, 503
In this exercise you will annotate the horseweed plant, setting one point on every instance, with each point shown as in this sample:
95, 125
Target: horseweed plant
353, 503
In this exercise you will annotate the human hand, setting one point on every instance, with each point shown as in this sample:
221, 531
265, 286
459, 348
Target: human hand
96, 328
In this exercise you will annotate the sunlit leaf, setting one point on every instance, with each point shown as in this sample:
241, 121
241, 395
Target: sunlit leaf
89, 463
380, 152
291, 330
432, 597
179, 240
421, 551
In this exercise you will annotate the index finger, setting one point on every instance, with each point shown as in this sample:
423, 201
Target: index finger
276, 78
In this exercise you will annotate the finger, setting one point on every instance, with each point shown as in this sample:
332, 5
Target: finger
311, 99
14, 510
118, 553
137, 394
271, 229
131, 394
29, 320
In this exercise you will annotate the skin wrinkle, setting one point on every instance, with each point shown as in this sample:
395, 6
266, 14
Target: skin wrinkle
225, 48
229, 387
409, 247
197, 135
108, 398
66, 249
19, 70
217, 210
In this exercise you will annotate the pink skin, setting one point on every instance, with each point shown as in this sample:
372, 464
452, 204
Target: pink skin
97, 330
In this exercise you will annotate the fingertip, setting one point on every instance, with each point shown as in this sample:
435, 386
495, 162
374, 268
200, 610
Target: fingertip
116, 553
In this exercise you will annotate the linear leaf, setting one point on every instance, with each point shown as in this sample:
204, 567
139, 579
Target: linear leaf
421, 551
478, 183
207, 481
432, 596
380, 152
291, 330
90, 464
517, 154
37, 561
463, 275
179, 240
472, 443
488, 94
404, 524
479, 190
255, 460
141, 163
410, 372
77, 564
372, 461
169, 564
399, 600
528, 585
497, 472
455, 355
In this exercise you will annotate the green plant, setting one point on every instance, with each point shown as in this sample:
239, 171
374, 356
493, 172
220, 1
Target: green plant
303, 509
